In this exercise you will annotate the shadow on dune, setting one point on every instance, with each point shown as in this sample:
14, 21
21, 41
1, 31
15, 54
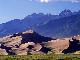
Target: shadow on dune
73, 47
32, 37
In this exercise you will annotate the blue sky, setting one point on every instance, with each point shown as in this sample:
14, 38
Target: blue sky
18, 9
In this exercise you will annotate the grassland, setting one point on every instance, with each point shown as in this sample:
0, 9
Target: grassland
42, 57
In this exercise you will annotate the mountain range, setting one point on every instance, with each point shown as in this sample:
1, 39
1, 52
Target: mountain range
67, 23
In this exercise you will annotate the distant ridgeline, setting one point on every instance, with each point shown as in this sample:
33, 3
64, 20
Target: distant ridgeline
65, 24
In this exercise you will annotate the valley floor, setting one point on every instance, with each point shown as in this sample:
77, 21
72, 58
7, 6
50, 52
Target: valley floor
42, 57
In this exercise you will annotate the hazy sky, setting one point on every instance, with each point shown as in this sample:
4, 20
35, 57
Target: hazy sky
13, 9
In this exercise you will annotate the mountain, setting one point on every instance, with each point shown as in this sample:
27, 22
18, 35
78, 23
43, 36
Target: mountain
66, 26
45, 24
28, 22
38, 19
65, 13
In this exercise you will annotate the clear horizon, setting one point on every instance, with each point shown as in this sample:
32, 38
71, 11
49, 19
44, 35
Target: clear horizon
18, 9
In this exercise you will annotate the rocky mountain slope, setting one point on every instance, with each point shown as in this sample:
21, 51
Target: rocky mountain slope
45, 24
62, 27
30, 42
28, 22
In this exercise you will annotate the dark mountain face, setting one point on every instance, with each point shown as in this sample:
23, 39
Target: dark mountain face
38, 19
65, 24
65, 13
28, 22
13, 26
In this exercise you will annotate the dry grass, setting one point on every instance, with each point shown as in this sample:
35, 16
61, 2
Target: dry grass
42, 57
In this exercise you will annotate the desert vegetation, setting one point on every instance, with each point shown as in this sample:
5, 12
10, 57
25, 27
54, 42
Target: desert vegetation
41, 57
